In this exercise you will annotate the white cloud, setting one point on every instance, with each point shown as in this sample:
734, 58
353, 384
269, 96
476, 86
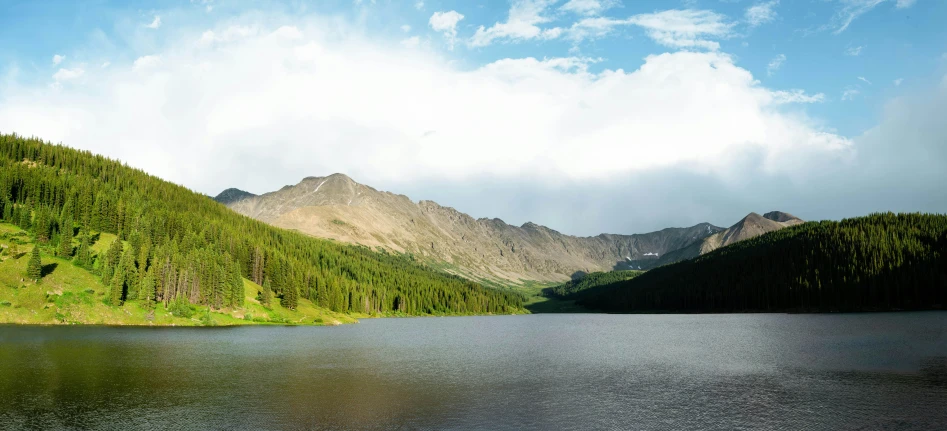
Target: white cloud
687, 28
854, 51
850, 93
851, 9
230, 34
865, 80
155, 23
411, 42
593, 28
419, 5
62, 75
775, 64
446, 22
796, 96
146, 62
106, 64
588, 7
761, 13
521, 24
405, 28
58, 59
897, 82
265, 110
904, 4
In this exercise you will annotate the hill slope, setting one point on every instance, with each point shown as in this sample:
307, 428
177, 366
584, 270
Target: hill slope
878, 262
69, 294
339, 208
176, 245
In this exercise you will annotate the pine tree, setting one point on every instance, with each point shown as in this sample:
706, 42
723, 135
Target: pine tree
41, 225
290, 297
266, 295
34, 267
65, 239
26, 218
130, 275
146, 291
112, 257
117, 287
84, 254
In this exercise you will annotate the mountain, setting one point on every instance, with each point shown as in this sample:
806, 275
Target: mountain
339, 208
232, 195
878, 262
751, 226
172, 248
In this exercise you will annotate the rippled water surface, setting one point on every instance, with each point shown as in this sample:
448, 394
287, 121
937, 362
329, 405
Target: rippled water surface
796, 372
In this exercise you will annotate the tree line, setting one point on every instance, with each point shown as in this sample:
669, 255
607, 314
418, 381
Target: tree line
878, 262
589, 281
174, 243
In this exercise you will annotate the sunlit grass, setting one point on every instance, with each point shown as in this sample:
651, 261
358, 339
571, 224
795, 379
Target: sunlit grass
68, 294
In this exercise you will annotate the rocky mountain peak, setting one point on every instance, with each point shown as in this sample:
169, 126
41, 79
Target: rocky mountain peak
781, 217
232, 195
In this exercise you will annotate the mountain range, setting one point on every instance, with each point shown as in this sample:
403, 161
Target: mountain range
485, 249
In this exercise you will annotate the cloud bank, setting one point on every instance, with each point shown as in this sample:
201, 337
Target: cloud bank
685, 137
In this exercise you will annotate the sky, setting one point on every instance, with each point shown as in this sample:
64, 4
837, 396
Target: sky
586, 116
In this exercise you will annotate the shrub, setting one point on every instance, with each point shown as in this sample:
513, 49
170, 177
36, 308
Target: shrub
181, 308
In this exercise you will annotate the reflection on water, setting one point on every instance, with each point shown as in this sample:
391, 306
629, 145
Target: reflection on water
858, 372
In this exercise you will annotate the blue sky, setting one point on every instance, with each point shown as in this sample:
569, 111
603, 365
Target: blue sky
782, 91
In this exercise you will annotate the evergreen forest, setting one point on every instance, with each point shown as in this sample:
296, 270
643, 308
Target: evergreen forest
176, 246
872, 263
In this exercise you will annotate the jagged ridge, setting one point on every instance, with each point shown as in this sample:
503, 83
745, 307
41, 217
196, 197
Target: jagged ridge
337, 207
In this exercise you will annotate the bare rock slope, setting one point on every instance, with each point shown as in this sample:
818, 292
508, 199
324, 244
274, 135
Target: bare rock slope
339, 208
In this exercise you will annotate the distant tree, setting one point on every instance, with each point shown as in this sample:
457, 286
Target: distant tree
266, 295
84, 254
65, 239
112, 257
41, 225
34, 267
146, 291
290, 298
117, 287
26, 218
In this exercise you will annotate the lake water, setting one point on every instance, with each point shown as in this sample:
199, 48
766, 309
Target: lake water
582, 371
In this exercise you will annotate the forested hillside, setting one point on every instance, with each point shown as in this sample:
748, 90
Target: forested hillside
878, 262
177, 245
569, 289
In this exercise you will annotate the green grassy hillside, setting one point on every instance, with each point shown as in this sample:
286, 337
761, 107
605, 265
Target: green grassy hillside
69, 294
873, 263
152, 243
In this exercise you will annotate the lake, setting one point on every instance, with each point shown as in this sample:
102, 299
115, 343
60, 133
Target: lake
572, 371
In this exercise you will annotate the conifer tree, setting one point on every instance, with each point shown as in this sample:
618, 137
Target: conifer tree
117, 287
290, 298
112, 257
84, 254
26, 218
266, 295
34, 267
146, 291
41, 225
129, 275
65, 239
